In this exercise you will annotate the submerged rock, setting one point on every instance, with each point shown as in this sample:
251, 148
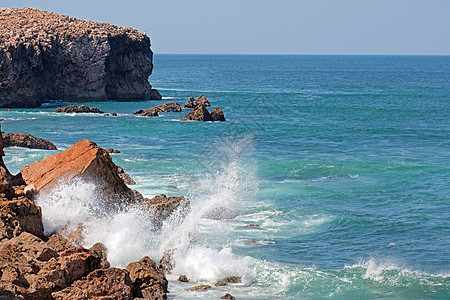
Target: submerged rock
199, 113
78, 109
26, 140
191, 103
49, 56
83, 160
171, 106
148, 279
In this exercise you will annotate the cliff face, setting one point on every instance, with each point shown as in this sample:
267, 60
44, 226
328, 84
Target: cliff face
46, 56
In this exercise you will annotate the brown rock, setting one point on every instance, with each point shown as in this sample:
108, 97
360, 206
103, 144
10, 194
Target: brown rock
6, 180
148, 279
83, 160
100, 250
183, 278
26, 140
33, 246
221, 283
110, 150
191, 103
163, 206
49, 56
78, 109
228, 296
234, 279
171, 106
199, 113
199, 288
100, 284
125, 177
58, 243
217, 115
20, 215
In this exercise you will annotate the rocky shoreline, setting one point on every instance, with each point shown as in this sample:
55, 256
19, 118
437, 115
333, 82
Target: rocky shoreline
47, 56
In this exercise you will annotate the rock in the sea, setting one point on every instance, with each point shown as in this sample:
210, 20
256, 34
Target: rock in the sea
104, 284
47, 56
217, 115
162, 206
26, 140
148, 279
228, 296
221, 283
199, 288
234, 279
199, 113
171, 106
125, 177
191, 103
183, 278
110, 150
78, 109
83, 160
100, 250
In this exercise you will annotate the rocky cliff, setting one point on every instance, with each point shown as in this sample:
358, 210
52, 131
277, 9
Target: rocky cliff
46, 56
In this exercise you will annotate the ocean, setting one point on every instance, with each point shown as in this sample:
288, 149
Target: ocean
329, 179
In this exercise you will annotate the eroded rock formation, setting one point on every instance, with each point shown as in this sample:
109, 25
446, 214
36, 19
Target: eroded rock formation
26, 140
45, 56
191, 103
171, 106
78, 109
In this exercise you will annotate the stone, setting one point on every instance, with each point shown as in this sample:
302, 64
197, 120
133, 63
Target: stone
58, 243
163, 206
34, 247
171, 106
217, 115
83, 160
148, 279
111, 114
221, 283
78, 109
234, 279
199, 113
183, 278
104, 284
125, 177
26, 140
110, 150
47, 56
228, 296
199, 288
191, 103
100, 250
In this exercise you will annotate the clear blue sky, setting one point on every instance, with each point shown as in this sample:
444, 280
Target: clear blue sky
273, 27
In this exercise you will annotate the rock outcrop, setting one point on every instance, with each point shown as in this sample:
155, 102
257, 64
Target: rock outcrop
171, 106
199, 113
78, 109
83, 160
217, 115
26, 140
148, 279
45, 56
163, 206
191, 103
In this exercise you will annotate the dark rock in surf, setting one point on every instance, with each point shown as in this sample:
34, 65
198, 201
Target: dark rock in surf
183, 278
125, 177
199, 288
110, 150
217, 115
234, 279
78, 109
228, 296
199, 113
26, 140
149, 281
191, 103
171, 106
163, 206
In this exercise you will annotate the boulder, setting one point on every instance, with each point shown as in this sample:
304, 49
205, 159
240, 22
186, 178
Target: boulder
125, 177
26, 140
148, 279
217, 115
83, 160
100, 250
199, 288
228, 296
110, 150
162, 206
105, 284
199, 113
58, 243
221, 283
234, 279
46, 56
183, 278
78, 109
191, 103
171, 106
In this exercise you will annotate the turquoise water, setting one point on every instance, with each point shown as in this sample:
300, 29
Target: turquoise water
343, 161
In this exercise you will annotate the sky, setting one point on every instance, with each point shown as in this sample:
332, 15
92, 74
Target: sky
273, 26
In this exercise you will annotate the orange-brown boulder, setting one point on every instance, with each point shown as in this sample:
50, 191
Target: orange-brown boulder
26, 140
199, 288
100, 284
83, 160
199, 113
148, 279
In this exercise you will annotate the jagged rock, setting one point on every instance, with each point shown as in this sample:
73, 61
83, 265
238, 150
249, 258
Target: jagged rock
83, 160
199, 113
105, 284
162, 206
221, 283
100, 250
148, 279
47, 56
110, 150
228, 296
20, 215
234, 279
183, 278
58, 243
191, 103
26, 140
171, 106
199, 288
32, 245
125, 177
78, 109
111, 114
217, 115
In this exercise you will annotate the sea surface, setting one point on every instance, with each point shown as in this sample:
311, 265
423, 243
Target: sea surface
343, 162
